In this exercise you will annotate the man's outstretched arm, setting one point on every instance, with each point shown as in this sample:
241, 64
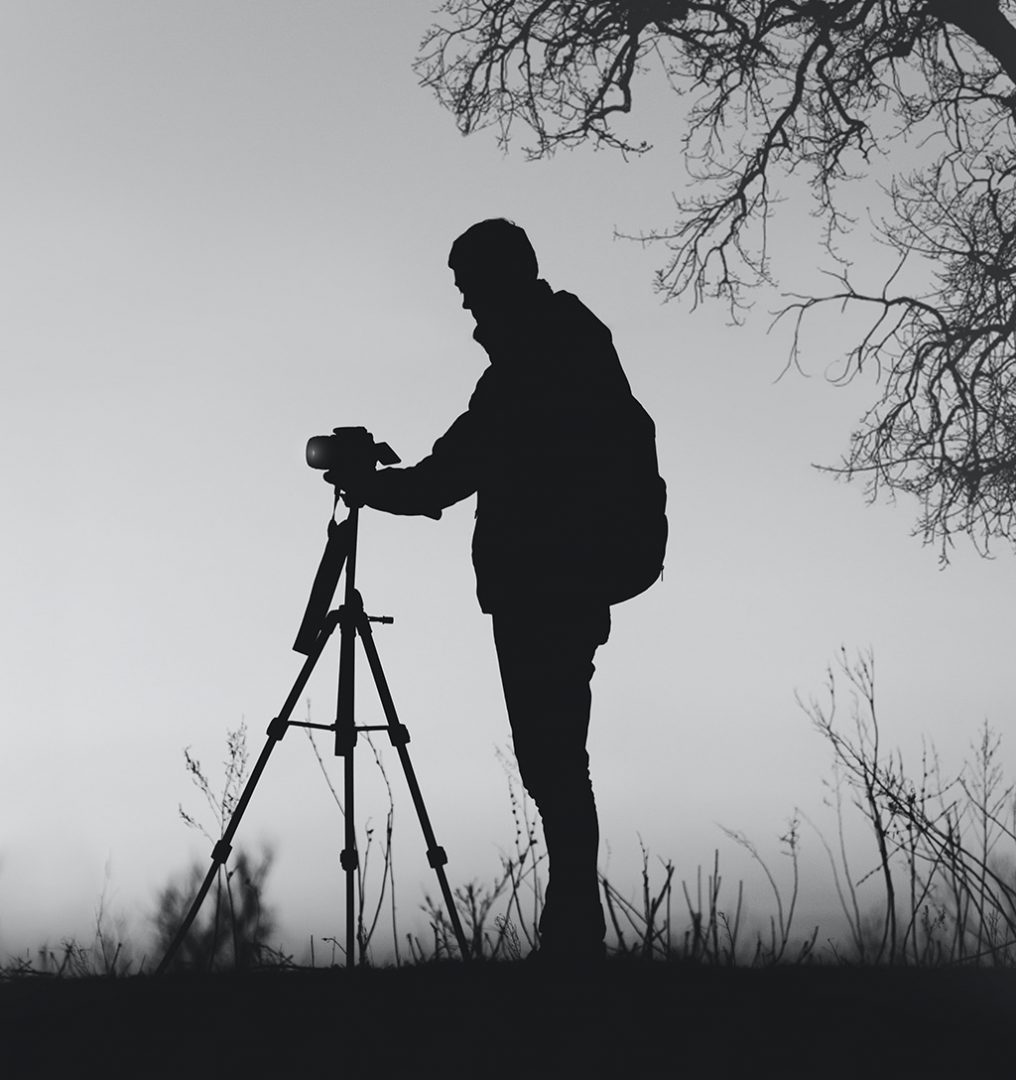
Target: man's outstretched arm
446, 476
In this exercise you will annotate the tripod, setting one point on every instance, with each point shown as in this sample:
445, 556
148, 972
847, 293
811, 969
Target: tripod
317, 627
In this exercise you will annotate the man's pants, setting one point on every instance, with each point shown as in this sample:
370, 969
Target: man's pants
546, 662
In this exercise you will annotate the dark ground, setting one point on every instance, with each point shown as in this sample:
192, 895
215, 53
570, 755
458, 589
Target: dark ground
623, 1020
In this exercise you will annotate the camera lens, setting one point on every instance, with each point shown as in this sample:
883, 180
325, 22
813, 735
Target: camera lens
319, 452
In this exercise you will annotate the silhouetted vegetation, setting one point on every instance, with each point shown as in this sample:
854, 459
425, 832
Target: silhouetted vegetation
949, 884
109, 953
944, 853
232, 931
234, 928
776, 97
942, 867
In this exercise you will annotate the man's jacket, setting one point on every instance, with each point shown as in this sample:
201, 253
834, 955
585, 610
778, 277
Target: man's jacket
556, 448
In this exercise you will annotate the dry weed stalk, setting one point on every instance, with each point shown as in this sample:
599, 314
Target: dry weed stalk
239, 915
365, 930
940, 836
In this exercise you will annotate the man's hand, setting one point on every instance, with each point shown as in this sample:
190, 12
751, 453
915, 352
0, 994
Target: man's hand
352, 491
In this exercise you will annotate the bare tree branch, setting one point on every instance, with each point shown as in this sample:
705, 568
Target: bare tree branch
780, 92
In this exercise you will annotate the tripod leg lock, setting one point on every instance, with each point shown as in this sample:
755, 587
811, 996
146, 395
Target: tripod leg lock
436, 857
399, 734
221, 851
349, 859
277, 728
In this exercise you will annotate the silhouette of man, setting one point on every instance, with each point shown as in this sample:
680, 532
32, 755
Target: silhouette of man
540, 444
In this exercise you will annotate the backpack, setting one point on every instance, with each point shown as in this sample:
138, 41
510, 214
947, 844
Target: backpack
634, 537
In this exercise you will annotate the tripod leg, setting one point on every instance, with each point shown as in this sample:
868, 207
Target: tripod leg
276, 729
399, 735
345, 742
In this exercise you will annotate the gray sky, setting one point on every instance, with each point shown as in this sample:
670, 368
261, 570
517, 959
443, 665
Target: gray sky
225, 229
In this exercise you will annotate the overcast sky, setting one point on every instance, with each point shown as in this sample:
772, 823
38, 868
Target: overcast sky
225, 228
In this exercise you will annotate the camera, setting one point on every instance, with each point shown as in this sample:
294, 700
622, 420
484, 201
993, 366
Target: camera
349, 453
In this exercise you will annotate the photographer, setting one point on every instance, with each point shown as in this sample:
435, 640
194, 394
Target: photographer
569, 519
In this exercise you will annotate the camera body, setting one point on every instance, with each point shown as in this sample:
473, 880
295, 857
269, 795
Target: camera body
349, 453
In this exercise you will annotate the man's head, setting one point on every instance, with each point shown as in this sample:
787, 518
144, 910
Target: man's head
494, 265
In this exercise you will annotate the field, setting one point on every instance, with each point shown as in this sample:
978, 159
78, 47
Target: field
923, 983
625, 1018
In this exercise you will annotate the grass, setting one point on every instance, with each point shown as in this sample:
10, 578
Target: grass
922, 984
943, 868
946, 845
942, 877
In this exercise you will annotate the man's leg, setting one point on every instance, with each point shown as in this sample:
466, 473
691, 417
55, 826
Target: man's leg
546, 666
